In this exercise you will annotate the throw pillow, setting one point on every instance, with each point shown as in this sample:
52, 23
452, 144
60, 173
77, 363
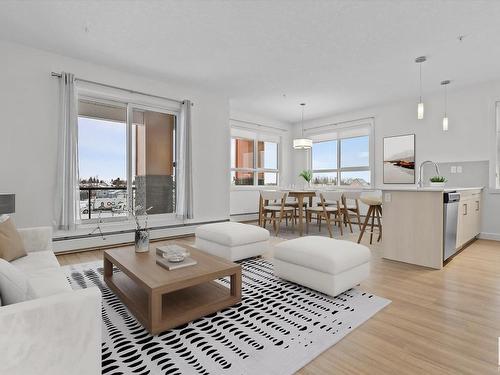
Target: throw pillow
14, 285
11, 243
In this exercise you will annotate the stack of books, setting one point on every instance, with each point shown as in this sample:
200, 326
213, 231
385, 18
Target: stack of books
173, 257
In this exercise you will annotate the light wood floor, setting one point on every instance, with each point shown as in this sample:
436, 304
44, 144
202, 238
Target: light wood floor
439, 322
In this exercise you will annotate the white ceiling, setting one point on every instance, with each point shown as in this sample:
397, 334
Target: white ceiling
334, 55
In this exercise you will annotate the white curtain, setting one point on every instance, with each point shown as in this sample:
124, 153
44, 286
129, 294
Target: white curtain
67, 198
184, 175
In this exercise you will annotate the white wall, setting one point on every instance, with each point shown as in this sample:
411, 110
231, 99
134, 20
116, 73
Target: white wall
245, 200
471, 135
28, 136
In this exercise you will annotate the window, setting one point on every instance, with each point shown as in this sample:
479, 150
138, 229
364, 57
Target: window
126, 159
254, 159
242, 161
267, 166
342, 158
497, 149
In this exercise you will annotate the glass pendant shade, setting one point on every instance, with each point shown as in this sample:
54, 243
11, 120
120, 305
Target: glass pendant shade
302, 143
420, 111
445, 123
445, 118
420, 105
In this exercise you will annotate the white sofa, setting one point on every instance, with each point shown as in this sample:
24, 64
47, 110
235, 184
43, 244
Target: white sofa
321, 263
59, 332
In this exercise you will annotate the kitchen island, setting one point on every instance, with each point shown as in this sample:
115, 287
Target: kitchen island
413, 223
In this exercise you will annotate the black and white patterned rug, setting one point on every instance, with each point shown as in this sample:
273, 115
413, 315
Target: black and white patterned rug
278, 328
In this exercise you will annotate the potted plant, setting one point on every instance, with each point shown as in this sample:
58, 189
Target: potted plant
438, 181
307, 175
141, 231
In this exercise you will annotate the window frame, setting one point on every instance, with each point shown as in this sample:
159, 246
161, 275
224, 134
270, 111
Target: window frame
129, 105
495, 154
339, 169
257, 137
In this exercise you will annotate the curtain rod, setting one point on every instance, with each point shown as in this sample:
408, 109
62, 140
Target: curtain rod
256, 124
59, 75
339, 123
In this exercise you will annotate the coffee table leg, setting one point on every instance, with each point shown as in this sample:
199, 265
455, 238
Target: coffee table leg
108, 268
155, 312
236, 284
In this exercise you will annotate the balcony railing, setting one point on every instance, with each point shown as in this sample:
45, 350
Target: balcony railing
109, 201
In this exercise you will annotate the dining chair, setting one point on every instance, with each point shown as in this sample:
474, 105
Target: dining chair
350, 203
324, 210
273, 202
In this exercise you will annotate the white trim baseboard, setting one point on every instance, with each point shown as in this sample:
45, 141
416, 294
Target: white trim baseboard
489, 236
245, 217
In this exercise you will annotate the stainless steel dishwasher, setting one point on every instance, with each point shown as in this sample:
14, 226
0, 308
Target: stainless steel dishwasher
450, 217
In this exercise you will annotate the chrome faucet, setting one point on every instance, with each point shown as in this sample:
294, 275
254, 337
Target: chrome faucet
420, 169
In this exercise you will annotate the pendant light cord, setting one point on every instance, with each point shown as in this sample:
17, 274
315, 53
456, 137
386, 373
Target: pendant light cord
302, 123
445, 100
420, 66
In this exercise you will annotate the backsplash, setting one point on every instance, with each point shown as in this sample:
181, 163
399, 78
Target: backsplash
474, 173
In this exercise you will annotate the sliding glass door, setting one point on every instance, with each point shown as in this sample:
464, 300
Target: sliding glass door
126, 159
152, 160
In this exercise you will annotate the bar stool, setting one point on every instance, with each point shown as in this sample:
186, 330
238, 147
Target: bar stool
374, 202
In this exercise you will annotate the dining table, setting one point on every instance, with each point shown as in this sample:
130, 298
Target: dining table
300, 195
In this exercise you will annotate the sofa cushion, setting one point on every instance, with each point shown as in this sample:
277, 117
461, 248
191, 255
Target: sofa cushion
14, 285
322, 253
232, 234
43, 272
11, 244
36, 261
49, 281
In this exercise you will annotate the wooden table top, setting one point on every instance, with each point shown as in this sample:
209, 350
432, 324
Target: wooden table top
305, 193
143, 268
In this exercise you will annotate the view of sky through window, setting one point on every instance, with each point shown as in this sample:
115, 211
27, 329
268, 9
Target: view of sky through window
102, 149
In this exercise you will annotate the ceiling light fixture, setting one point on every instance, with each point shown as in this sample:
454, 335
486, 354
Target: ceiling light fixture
420, 105
445, 117
302, 143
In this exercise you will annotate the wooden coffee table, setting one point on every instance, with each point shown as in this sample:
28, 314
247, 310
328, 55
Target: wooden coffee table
162, 299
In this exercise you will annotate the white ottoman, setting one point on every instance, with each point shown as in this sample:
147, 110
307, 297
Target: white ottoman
232, 241
321, 263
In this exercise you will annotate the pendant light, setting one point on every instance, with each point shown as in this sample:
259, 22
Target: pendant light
445, 117
302, 143
420, 105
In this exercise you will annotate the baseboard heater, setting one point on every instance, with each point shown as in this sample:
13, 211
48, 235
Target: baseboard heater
126, 231
244, 214
79, 242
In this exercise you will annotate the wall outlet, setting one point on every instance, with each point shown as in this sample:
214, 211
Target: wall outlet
453, 169
387, 197
459, 169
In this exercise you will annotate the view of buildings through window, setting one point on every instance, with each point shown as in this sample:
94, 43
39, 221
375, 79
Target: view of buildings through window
344, 161
103, 152
254, 162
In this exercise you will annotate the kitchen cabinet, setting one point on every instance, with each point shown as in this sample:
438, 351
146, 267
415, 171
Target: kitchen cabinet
469, 216
414, 230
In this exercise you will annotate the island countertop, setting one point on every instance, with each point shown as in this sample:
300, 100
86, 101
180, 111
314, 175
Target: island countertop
429, 188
